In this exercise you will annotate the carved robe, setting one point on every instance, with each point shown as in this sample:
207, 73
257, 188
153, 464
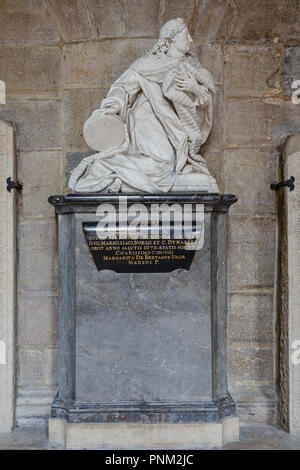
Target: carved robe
156, 153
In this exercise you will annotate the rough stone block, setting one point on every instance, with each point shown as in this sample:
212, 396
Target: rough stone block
248, 174
51, 366
253, 392
250, 363
256, 402
209, 18
26, 21
78, 106
30, 367
170, 9
251, 252
211, 57
142, 17
38, 252
34, 403
108, 17
256, 20
98, 64
37, 123
251, 318
214, 160
255, 414
251, 71
37, 318
33, 200
291, 68
259, 123
30, 72
71, 18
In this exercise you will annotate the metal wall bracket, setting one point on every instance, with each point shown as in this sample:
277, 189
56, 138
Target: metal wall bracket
13, 185
289, 183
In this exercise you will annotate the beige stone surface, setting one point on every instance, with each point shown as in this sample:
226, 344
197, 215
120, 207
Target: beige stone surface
34, 403
291, 206
254, 437
230, 430
170, 9
128, 18
57, 431
248, 174
37, 247
251, 70
37, 123
85, 100
255, 123
33, 200
30, 367
142, 17
51, 366
99, 64
256, 401
26, 21
209, 19
255, 392
211, 57
31, 71
251, 318
253, 414
142, 436
214, 161
250, 363
251, 252
71, 18
37, 314
108, 18
291, 145
8, 287
255, 20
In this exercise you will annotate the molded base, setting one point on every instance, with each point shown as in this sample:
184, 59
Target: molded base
142, 436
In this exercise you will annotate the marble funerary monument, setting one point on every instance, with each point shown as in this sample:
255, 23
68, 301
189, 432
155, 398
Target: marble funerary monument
142, 350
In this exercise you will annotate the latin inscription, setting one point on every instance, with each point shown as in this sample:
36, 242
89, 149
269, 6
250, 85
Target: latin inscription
140, 255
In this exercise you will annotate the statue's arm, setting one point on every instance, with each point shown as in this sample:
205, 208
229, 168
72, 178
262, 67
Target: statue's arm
187, 82
121, 94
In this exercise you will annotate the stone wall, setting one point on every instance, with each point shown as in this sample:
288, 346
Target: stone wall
58, 59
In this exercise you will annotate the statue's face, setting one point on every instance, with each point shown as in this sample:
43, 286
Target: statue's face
183, 41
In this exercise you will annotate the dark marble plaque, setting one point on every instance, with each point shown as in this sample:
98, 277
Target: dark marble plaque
139, 255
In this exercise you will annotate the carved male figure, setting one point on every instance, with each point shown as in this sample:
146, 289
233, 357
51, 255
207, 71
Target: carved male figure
164, 102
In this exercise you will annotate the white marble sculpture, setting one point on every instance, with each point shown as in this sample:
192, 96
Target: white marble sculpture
149, 129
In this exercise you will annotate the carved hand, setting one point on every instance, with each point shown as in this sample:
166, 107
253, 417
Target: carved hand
186, 82
202, 94
110, 106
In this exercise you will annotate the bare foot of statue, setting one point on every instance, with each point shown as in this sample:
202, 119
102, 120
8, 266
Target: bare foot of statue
115, 187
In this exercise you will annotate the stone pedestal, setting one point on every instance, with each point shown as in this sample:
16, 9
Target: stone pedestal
142, 356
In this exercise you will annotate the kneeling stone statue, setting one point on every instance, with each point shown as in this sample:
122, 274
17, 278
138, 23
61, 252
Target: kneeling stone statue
150, 127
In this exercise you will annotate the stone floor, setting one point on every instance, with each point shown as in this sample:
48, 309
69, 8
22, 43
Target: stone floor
252, 438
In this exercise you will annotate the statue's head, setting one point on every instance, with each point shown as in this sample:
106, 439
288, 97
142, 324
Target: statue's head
176, 32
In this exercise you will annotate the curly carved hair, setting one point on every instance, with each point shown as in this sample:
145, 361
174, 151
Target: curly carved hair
167, 33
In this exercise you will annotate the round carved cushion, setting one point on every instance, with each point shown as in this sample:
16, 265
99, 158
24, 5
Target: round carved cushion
104, 133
